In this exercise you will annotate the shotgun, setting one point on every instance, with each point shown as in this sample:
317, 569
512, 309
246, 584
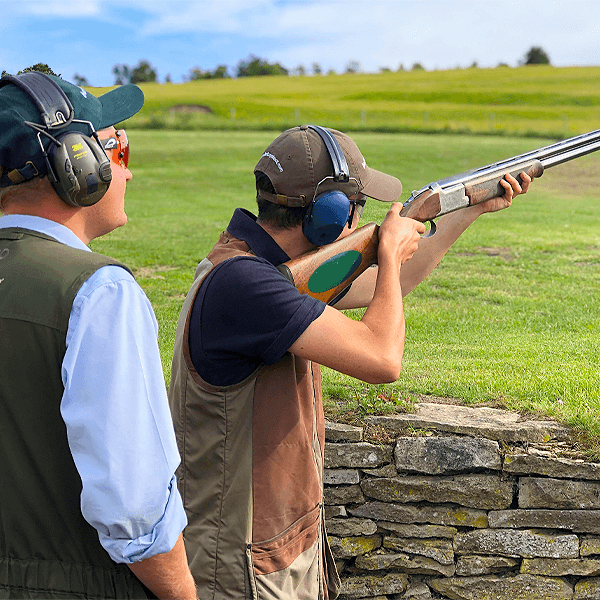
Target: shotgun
326, 272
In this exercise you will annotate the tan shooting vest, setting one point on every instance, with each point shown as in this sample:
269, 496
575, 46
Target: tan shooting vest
251, 475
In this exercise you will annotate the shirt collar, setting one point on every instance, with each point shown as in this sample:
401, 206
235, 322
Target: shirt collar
243, 226
55, 230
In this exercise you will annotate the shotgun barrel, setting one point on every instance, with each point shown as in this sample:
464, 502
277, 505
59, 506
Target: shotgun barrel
478, 185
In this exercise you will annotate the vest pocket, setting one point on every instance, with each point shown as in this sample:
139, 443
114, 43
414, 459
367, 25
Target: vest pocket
279, 552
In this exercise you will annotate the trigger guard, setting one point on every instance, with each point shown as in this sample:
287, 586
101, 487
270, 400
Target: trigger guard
432, 230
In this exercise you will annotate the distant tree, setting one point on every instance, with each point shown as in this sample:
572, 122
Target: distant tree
474, 65
142, 73
197, 73
385, 70
220, 72
254, 66
352, 66
122, 74
536, 56
502, 64
417, 67
331, 71
316, 69
168, 78
39, 67
300, 70
400, 68
80, 80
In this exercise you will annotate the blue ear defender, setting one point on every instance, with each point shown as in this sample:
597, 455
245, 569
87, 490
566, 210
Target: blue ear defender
328, 213
325, 217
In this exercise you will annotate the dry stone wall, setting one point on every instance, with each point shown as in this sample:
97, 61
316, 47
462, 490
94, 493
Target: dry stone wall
461, 503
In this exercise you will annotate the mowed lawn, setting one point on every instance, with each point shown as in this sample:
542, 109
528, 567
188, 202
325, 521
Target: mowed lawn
511, 316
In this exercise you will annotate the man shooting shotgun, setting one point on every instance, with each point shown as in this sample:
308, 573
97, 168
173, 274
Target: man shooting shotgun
245, 387
326, 273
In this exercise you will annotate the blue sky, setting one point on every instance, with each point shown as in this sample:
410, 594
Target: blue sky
89, 37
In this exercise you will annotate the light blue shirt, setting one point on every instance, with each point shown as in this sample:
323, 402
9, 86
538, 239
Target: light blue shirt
115, 409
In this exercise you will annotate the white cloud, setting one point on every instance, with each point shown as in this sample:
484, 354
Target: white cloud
437, 33
58, 8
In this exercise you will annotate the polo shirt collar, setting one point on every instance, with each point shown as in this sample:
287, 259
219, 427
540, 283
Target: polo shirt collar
243, 226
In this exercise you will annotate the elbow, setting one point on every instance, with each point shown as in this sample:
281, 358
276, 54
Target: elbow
387, 370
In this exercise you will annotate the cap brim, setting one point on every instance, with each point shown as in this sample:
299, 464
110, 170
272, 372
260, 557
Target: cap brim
381, 186
120, 104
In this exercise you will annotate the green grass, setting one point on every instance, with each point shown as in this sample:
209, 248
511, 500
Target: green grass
510, 317
532, 100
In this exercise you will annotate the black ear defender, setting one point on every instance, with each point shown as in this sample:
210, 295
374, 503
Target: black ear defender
77, 165
328, 213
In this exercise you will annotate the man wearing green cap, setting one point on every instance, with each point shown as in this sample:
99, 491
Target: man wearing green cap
245, 387
89, 506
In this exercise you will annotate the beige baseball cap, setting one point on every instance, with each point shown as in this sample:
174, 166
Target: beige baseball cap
298, 160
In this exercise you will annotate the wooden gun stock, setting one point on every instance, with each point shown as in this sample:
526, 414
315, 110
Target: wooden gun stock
326, 272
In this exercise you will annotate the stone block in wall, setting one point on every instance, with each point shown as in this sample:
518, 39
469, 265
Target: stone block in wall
558, 567
589, 546
587, 589
349, 547
531, 464
541, 492
335, 511
515, 543
361, 455
440, 550
416, 590
418, 531
490, 423
475, 491
350, 527
385, 471
449, 515
341, 432
443, 455
341, 476
416, 565
469, 566
583, 521
343, 494
521, 587
367, 586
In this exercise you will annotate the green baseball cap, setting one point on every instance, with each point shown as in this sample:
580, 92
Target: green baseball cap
21, 157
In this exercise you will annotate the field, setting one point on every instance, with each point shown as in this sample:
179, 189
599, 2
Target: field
525, 101
511, 317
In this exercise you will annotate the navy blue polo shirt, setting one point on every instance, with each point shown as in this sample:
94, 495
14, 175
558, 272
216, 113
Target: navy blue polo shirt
246, 313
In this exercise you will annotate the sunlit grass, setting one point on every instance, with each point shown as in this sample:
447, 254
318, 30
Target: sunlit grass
510, 317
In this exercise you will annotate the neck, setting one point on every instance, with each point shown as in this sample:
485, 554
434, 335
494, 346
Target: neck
70, 217
291, 241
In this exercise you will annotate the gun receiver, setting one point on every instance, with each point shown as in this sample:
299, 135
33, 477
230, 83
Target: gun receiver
326, 272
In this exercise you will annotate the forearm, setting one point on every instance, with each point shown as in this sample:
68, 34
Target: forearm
431, 250
384, 317
168, 574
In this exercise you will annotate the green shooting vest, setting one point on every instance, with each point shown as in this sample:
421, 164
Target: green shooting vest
47, 549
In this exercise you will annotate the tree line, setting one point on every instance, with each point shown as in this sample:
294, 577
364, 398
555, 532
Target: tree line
253, 66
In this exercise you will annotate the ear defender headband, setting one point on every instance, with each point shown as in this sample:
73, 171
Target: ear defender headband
328, 213
78, 167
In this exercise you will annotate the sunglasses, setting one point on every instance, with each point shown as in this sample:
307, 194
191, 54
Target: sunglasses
120, 143
358, 205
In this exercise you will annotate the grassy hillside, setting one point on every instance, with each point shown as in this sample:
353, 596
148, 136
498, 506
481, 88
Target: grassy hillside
526, 101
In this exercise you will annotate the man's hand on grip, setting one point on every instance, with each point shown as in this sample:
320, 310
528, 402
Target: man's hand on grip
398, 236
